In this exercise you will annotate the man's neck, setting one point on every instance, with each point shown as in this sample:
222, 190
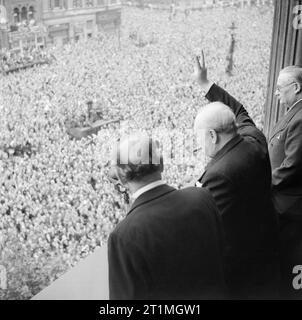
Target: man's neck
135, 186
146, 188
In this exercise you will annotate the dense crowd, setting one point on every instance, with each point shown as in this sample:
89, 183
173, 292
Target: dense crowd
56, 202
13, 61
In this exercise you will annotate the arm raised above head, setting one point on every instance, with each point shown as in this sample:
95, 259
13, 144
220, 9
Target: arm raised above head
214, 93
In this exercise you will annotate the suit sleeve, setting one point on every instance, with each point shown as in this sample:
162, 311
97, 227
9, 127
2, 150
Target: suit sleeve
246, 126
291, 168
127, 270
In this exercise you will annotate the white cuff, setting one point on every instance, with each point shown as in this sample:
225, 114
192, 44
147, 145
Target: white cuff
206, 88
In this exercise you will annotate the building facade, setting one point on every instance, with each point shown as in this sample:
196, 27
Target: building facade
75, 19
42, 22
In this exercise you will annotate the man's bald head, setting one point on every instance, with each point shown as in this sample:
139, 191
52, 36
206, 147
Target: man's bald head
289, 86
216, 116
214, 126
293, 73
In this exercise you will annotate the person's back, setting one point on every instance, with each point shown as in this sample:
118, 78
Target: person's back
239, 182
168, 247
239, 178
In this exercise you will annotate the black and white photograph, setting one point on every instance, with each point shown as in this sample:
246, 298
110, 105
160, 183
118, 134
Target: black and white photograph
150, 150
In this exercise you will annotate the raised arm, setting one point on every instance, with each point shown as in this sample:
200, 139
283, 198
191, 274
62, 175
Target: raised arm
246, 126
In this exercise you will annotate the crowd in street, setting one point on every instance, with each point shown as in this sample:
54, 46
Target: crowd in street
13, 61
56, 202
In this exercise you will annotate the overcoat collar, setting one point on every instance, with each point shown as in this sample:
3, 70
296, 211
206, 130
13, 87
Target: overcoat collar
283, 122
223, 151
151, 195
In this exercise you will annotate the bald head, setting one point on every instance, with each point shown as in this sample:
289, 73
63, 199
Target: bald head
216, 116
215, 125
293, 73
289, 86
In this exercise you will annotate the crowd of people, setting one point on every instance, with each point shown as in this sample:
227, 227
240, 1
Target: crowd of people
56, 202
13, 61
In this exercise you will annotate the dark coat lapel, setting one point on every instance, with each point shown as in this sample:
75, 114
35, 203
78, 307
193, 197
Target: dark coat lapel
283, 122
151, 195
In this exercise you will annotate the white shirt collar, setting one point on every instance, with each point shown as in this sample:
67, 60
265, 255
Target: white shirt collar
146, 188
294, 104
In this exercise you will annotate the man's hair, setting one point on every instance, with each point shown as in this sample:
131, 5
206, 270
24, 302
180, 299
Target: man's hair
133, 172
294, 72
149, 161
217, 116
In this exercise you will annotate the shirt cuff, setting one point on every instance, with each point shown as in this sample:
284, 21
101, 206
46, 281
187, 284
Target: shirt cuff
206, 88
198, 184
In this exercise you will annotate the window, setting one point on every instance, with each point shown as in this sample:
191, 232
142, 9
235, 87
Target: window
31, 13
89, 3
101, 2
23, 14
77, 3
16, 15
57, 4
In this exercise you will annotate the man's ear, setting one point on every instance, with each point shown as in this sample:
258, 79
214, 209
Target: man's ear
121, 176
298, 88
214, 136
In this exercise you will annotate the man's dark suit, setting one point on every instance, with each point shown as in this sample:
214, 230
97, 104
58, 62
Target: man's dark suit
167, 247
285, 148
239, 178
